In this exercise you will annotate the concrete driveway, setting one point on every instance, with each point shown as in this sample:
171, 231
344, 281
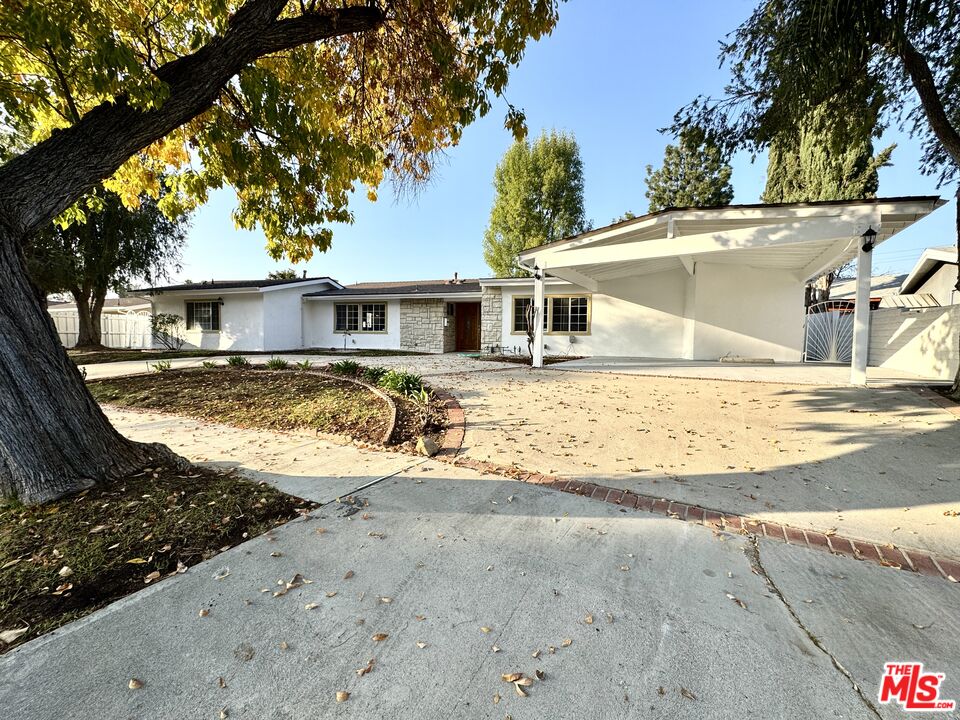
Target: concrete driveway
471, 577
877, 464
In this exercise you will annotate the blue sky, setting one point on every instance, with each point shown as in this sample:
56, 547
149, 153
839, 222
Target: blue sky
612, 73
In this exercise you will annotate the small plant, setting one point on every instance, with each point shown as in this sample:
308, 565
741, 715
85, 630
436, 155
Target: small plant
304, 366
373, 374
401, 382
167, 329
209, 364
238, 361
275, 363
161, 366
345, 367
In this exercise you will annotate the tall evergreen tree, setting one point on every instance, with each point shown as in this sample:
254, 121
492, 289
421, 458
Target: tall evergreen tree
695, 173
539, 198
821, 159
812, 163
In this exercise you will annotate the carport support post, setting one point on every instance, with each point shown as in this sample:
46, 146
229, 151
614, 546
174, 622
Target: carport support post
539, 309
861, 315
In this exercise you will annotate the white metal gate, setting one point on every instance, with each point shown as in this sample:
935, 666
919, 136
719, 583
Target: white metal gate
828, 332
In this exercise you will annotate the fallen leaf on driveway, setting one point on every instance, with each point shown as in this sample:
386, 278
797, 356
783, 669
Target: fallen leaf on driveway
135, 684
567, 642
380, 637
737, 600
348, 575
8, 636
511, 677
421, 644
311, 606
922, 627
485, 630
540, 675
331, 593
366, 668
687, 694
588, 619
496, 698
342, 696
204, 612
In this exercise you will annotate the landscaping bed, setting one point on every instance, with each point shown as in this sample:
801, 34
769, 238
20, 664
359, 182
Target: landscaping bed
252, 396
62, 560
525, 359
108, 355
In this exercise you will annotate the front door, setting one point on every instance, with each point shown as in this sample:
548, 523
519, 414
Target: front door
468, 326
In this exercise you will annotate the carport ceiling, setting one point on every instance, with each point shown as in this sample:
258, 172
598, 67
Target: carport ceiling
803, 238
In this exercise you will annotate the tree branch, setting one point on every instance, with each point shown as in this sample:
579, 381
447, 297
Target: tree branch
44, 181
923, 82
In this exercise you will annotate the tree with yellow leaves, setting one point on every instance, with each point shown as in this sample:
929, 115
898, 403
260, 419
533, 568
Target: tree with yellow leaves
290, 102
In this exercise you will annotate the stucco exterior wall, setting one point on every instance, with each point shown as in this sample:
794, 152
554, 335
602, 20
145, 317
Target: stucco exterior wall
922, 341
241, 321
639, 316
491, 318
421, 325
942, 285
747, 312
318, 329
283, 328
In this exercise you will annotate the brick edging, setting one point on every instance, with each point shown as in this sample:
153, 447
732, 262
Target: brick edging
935, 398
886, 555
456, 426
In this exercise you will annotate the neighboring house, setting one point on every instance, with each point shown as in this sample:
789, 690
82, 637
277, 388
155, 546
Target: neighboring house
693, 283
240, 314
934, 275
124, 322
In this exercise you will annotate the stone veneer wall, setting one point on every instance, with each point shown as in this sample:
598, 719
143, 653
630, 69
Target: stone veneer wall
491, 318
450, 330
421, 325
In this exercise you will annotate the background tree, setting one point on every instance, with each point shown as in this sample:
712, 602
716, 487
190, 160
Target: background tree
792, 56
288, 274
292, 104
695, 173
818, 160
111, 249
539, 198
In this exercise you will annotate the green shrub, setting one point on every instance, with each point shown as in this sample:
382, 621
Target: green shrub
401, 382
345, 367
275, 363
161, 366
305, 365
238, 361
373, 374
209, 364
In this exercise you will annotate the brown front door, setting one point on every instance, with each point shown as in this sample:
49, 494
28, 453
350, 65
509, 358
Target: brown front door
468, 326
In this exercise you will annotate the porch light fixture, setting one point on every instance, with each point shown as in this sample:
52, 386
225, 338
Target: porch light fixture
869, 239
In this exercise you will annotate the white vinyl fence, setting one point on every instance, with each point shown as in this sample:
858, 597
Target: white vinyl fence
123, 330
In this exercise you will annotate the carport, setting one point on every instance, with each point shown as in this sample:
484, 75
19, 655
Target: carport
745, 267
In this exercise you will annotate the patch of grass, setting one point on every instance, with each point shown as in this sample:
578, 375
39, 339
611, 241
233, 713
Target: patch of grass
238, 361
276, 363
113, 538
161, 366
373, 374
348, 368
253, 399
401, 382
94, 357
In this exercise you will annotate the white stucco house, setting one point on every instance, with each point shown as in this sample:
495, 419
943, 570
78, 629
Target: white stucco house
688, 283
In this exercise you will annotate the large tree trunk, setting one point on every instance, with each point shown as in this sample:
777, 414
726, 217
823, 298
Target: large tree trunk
955, 388
54, 439
88, 319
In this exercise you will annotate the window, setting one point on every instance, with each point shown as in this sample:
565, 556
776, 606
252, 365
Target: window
366, 317
564, 314
568, 314
203, 315
520, 305
451, 309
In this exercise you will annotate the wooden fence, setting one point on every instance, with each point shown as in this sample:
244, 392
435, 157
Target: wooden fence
118, 330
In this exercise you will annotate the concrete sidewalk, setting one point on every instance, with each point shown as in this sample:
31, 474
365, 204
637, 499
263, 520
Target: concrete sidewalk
663, 619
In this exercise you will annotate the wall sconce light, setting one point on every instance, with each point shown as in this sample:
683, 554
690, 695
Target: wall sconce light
869, 239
